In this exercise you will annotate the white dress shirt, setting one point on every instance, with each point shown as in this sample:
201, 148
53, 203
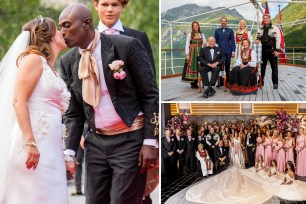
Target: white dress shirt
212, 52
118, 26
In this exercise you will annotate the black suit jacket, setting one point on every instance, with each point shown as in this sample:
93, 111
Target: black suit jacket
205, 56
217, 153
168, 147
142, 36
136, 92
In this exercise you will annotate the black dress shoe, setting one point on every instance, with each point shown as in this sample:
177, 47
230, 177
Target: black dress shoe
77, 193
212, 92
275, 86
205, 95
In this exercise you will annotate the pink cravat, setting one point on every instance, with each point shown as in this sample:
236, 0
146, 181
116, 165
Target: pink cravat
111, 31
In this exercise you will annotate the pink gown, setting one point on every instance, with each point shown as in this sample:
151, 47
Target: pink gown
281, 157
268, 151
289, 153
274, 151
301, 157
260, 150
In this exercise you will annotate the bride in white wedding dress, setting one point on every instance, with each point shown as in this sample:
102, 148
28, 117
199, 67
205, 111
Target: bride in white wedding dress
31, 148
237, 185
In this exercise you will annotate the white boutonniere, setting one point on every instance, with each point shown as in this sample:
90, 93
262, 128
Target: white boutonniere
192, 138
172, 140
117, 67
218, 53
182, 139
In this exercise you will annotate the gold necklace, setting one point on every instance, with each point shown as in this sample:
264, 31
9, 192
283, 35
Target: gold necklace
52, 68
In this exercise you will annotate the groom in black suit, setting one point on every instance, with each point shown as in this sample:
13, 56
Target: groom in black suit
211, 59
121, 143
221, 157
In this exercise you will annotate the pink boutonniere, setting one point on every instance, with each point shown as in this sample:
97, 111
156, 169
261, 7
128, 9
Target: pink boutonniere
117, 67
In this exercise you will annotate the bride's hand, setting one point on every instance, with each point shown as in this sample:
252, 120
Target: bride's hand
33, 156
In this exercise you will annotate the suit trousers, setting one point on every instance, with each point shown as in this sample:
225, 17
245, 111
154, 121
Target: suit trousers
228, 57
79, 169
214, 75
251, 156
267, 54
112, 172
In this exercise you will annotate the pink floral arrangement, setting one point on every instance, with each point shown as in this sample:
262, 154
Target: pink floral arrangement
286, 122
180, 121
117, 67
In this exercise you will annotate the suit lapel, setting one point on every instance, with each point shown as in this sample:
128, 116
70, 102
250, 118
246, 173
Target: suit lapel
108, 56
75, 59
127, 32
215, 53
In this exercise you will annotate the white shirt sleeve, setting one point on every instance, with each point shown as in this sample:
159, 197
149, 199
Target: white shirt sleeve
253, 61
204, 39
151, 142
278, 37
187, 43
238, 61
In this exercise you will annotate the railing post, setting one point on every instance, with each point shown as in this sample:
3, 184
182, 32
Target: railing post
165, 63
293, 56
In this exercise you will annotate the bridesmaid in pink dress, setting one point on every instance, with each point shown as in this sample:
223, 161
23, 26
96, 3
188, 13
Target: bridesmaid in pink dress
268, 148
289, 145
301, 153
281, 155
274, 140
260, 150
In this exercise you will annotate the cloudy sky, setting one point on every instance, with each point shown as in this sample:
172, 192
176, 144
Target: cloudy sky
247, 11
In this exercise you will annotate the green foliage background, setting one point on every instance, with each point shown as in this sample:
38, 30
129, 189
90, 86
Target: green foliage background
141, 14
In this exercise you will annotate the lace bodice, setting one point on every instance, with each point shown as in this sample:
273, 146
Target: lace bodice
50, 94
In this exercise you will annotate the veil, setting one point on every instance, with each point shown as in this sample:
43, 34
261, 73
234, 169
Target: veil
8, 72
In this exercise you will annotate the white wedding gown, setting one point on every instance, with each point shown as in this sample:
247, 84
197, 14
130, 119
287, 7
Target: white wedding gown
237, 185
47, 184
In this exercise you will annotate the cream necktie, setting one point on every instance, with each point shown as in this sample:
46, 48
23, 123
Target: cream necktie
89, 73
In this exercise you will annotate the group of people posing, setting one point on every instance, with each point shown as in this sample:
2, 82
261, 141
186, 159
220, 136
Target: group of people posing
215, 147
203, 57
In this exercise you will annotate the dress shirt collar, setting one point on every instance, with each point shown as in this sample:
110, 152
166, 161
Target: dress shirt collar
118, 26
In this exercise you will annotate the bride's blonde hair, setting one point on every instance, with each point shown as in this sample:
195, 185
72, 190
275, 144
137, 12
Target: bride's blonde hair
41, 29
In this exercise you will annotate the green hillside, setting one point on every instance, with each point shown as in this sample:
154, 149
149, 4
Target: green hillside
295, 35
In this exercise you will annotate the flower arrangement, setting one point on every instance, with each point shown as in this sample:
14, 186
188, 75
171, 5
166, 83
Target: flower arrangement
286, 122
180, 121
117, 67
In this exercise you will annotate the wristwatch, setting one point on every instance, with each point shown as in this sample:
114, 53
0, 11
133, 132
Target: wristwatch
31, 144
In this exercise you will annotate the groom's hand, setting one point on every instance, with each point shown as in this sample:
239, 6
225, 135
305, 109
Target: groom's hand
147, 157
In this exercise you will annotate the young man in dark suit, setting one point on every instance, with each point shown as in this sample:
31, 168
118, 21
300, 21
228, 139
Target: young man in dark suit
180, 151
190, 151
168, 146
120, 144
226, 41
211, 59
109, 12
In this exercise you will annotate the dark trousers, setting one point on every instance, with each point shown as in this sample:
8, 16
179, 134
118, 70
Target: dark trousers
180, 158
228, 57
214, 75
112, 172
190, 162
170, 166
79, 169
267, 54
251, 156
220, 167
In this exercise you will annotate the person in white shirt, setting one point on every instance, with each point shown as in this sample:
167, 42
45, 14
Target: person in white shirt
109, 12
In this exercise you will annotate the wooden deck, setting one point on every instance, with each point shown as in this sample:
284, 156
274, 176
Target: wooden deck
291, 87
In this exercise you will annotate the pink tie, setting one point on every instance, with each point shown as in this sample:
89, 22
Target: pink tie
110, 31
